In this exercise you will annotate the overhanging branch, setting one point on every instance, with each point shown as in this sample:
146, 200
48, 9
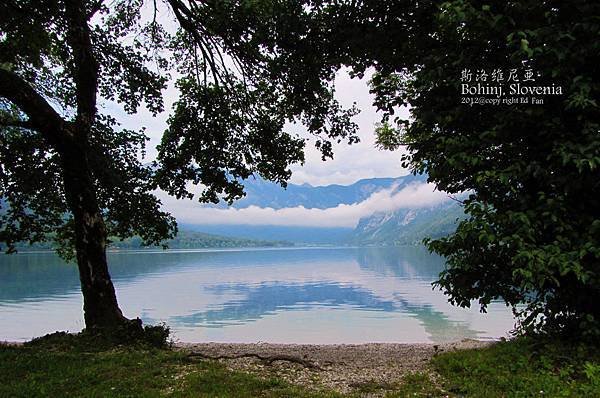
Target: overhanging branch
186, 19
42, 117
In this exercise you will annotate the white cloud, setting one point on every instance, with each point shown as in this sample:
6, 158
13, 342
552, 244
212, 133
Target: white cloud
351, 162
343, 215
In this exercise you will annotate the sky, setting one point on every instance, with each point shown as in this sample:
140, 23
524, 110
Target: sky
350, 164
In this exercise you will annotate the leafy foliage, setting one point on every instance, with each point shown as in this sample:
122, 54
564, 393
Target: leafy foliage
229, 123
533, 233
243, 70
522, 367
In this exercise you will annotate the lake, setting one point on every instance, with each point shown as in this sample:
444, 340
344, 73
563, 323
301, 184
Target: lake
298, 295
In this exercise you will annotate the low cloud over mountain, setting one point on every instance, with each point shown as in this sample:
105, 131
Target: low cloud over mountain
268, 204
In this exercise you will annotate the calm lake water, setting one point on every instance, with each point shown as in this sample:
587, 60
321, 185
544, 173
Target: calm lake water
325, 295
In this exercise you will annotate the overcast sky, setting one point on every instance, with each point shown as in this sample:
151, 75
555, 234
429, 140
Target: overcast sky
350, 163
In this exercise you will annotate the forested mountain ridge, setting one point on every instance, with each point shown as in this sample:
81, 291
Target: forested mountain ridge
183, 240
404, 226
408, 226
263, 193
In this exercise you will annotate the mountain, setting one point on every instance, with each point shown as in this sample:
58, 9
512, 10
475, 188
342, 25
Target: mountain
399, 227
185, 239
404, 226
408, 226
266, 194
263, 193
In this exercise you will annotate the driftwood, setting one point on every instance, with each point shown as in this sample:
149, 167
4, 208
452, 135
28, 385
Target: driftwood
268, 359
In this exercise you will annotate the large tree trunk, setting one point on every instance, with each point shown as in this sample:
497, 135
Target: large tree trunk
70, 139
100, 307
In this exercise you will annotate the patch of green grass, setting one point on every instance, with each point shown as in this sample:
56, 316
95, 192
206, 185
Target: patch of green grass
130, 334
35, 371
519, 368
522, 368
216, 381
417, 384
40, 372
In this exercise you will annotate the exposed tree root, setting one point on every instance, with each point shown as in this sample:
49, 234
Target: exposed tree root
268, 359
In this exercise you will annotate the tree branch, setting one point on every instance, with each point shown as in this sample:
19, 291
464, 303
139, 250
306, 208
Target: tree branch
186, 20
97, 6
269, 359
42, 117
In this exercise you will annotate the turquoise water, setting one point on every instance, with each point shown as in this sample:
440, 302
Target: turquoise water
300, 295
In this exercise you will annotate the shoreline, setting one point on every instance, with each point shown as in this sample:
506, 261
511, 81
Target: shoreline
469, 368
340, 367
462, 343
344, 368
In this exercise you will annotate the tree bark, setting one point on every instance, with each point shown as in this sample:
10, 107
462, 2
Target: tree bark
100, 306
70, 140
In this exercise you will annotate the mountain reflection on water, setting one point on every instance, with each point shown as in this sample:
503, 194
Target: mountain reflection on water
300, 295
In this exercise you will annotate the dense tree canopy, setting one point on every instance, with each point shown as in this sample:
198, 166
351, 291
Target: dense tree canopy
532, 169
246, 68
69, 173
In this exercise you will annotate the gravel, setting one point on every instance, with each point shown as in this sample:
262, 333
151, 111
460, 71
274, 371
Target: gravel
340, 367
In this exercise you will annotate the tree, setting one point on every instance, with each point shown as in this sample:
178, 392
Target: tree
70, 174
532, 236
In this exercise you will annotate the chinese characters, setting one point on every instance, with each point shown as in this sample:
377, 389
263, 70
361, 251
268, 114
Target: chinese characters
504, 86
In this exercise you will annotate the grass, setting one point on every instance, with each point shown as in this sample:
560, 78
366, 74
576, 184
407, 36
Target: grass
121, 372
418, 384
522, 368
519, 368
66, 366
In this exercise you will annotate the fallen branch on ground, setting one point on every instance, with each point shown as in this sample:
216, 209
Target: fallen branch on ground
269, 359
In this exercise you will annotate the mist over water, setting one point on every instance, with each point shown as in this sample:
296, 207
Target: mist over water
299, 295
